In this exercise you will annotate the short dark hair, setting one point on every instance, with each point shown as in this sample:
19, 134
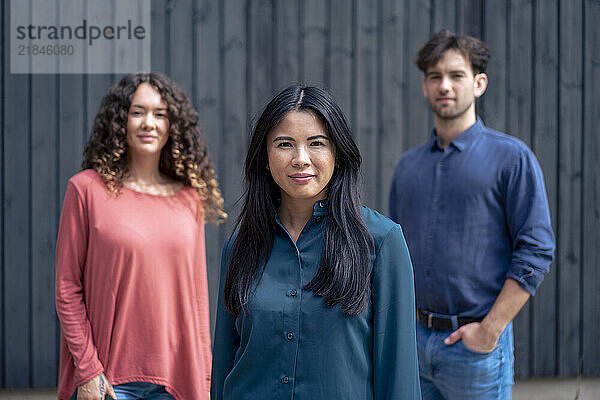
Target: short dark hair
473, 49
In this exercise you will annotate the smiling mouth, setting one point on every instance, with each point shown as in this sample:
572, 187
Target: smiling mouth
301, 178
147, 138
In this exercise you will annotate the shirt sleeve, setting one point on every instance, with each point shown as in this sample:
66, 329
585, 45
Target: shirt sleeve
226, 340
71, 252
528, 218
396, 371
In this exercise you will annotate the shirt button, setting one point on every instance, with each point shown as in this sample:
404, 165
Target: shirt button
286, 379
427, 272
290, 336
293, 292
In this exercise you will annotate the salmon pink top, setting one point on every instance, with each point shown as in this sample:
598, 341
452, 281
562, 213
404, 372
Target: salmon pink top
131, 289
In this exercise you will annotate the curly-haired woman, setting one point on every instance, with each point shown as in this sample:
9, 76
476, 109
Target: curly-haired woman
131, 287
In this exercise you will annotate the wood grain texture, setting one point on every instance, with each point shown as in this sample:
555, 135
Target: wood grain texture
570, 91
366, 100
518, 114
287, 43
591, 191
392, 89
314, 38
545, 145
207, 94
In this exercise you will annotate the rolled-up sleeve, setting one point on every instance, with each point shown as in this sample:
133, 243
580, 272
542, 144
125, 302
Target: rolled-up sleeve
528, 218
396, 372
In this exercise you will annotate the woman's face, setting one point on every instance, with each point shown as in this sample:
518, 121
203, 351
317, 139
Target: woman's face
301, 156
147, 122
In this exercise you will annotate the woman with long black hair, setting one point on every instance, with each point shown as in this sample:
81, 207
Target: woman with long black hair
316, 298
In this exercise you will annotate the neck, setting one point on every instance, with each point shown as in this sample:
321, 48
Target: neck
144, 169
449, 128
294, 214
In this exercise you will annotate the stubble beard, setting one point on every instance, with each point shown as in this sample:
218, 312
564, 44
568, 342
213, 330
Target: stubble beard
449, 113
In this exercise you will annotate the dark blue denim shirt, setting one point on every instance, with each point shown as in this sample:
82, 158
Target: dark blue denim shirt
473, 215
291, 346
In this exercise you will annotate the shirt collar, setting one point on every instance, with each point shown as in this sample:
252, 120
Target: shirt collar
320, 208
461, 141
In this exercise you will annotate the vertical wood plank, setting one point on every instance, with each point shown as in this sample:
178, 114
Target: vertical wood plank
72, 130
159, 51
208, 92
235, 108
17, 221
315, 43
4, 73
260, 55
570, 92
591, 191
545, 145
43, 233
444, 15
42, 210
469, 15
286, 44
492, 107
181, 44
518, 114
392, 88
341, 55
419, 124
366, 100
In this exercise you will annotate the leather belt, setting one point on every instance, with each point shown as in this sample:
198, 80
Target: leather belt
443, 322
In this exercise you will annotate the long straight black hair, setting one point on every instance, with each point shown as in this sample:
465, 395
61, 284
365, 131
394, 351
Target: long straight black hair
345, 272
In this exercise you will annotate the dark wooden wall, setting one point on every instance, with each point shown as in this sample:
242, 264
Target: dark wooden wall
231, 56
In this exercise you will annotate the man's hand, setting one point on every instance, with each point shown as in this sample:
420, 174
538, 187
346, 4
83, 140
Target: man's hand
475, 337
95, 389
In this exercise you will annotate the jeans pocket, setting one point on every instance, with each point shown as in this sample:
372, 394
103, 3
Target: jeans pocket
478, 353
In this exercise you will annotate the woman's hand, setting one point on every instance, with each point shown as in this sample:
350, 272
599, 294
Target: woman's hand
95, 389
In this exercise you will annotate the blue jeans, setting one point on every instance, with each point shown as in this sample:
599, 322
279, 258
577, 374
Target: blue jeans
138, 391
458, 373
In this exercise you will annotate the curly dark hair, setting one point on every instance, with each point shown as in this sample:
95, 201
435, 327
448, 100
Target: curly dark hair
183, 158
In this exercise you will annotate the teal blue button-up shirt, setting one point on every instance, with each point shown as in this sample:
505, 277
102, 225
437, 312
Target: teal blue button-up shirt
290, 346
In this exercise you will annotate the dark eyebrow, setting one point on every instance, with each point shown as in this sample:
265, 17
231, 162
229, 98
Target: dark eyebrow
141, 106
317, 137
284, 138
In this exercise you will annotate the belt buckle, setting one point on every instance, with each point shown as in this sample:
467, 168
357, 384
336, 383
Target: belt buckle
429, 320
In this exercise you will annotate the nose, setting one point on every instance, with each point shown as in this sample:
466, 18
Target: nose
301, 157
148, 122
445, 85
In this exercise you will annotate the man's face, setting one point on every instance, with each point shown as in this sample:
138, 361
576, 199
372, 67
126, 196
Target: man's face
451, 88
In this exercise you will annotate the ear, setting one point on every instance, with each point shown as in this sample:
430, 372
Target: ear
424, 87
480, 85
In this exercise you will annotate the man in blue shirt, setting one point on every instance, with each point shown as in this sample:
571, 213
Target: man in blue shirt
474, 211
